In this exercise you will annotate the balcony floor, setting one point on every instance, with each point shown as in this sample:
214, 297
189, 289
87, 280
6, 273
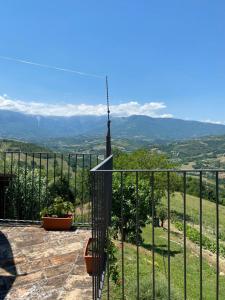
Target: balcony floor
38, 264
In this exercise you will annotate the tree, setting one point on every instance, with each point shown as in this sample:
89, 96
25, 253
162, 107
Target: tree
142, 159
129, 207
162, 214
133, 194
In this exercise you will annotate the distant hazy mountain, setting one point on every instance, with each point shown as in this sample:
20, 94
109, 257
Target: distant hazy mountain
29, 127
165, 129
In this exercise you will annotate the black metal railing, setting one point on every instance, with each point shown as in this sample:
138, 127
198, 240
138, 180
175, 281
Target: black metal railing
153, 262
101, 219
36, 177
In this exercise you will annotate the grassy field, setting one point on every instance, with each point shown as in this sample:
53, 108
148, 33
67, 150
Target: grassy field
176, 258
161, 267
192, 209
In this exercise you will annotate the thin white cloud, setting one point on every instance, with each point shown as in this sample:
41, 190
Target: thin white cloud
166, 116
214, 122
152, 109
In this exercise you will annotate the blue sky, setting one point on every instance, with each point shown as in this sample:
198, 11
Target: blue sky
168, 53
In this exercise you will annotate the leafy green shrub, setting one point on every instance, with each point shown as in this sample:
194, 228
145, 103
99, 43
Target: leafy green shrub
26, 195
83, 184
59, 208
61, 188
112, 258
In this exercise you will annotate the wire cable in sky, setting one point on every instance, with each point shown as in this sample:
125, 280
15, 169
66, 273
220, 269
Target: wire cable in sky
50, 67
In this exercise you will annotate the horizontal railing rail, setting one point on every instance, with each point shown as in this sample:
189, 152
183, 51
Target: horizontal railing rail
36, 177
152, 260
162, 170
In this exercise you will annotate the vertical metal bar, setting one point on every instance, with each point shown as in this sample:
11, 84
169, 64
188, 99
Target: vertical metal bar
18, 206
4, 162
200, 224
105, 213
68, 173
32, 189
47, 169
217, 237
11, 166
105, 234
61, 172
185, 238
89, 187
94, 231
122, 235
90, 161
93, 226
104, 238
54, 165
98, 233
153, 235
11, 172
101, 224
108, 267
168, 206
39, 186
101, 231
3, 195
110, 167
137, 235
95, 238
25, 185
75, 184
82, 190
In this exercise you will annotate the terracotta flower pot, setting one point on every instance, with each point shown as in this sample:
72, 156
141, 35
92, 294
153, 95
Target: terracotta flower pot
54, 223
91, 261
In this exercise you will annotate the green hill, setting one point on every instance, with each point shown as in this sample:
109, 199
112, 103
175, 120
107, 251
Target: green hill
20, 146
203, 152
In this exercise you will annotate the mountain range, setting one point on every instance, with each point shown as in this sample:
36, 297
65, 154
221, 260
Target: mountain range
34, 128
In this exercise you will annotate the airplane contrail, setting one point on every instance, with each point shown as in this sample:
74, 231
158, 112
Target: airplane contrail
49, 66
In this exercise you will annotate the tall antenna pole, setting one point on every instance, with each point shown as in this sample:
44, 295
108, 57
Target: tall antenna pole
108, 136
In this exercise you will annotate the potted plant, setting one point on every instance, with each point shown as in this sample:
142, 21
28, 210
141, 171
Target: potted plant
58, 216
90, 256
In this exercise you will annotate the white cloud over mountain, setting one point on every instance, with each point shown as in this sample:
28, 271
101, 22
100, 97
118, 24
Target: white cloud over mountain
152, 109
214, 122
